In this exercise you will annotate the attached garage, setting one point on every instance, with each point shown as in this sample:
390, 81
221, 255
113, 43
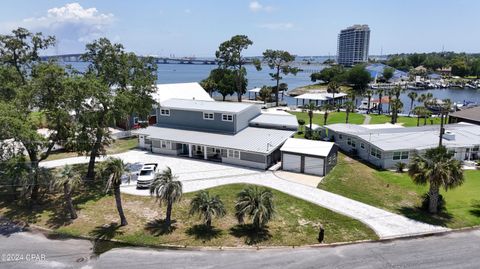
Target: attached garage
308, 156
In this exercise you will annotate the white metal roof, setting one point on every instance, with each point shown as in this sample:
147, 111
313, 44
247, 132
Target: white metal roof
191, 90
232, 107
258, 140
465, 135
257, 90
275, 119
323, 96
309, 147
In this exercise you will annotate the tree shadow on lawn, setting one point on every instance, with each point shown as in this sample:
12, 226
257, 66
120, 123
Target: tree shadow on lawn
252, 236
102, 236
203, 232
476, 208
417, 213
159, 227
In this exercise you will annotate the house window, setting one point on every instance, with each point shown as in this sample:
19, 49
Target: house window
164, 144
351, 142
340, 136
227, 117
400, 155
135, 120
208, 116
164, 112
362, 145
233, 154
376, 153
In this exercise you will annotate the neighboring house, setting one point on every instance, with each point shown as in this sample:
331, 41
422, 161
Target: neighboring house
235, 133
469, 115
384, 145
163, 92
308, 156
321, 98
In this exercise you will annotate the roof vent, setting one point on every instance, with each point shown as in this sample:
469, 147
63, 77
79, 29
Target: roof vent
449, 135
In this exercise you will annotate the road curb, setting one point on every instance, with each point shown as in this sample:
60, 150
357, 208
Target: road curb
33, 228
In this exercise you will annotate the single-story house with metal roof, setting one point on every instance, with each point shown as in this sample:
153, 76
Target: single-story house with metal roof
308, 156
384, 145
470, 115
321, 98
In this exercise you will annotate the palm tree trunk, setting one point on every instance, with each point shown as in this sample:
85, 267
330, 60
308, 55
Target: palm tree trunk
168, 217
411, 108
278, 80
68, 201
433, 198
118, 201
325, 116
346, 118
425, 120
93, 155
418, 121
209, 223
380, 104
368, 104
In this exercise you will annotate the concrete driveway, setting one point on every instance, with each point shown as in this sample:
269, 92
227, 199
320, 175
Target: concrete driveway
198, 174
184, 168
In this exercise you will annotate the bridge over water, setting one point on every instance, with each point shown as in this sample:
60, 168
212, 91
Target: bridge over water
158, 60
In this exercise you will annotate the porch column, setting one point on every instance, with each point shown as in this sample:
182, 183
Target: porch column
190, 154
205, 155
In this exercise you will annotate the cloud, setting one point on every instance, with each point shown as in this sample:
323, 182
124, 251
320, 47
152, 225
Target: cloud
277, 26
70, 22
255, 6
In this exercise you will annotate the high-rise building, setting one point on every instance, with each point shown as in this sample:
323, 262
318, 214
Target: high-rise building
353, 45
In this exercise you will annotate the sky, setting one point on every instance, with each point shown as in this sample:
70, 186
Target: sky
196, 28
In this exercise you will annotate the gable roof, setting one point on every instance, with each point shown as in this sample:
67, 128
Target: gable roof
201, 105
191, 90
276, 120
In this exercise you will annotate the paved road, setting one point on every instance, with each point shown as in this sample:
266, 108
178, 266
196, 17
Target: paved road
197, 175
455, 250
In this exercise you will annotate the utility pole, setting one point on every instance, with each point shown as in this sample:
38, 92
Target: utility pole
442, 130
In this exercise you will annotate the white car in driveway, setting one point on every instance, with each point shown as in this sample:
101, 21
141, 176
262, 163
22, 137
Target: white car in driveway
146, 175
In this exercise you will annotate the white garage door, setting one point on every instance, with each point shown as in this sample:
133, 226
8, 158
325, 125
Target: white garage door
291, 162
313, 166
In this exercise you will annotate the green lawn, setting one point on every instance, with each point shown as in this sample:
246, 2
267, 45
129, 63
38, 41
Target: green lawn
118, 146
406, 121
333, 117
296, 221
397, 193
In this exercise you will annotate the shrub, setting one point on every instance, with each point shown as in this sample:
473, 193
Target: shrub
400, 167
441, 202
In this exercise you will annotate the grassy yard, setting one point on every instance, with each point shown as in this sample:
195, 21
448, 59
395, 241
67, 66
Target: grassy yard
296, 222
118, 146
333, 117
406, 121
397, 193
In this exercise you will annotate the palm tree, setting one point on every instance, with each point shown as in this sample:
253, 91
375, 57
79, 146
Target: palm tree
68, 180
207, 207
310, 107
115, 169
420, 111
439, 169
446, 107
326, 108
369, 94
413, 96
349, 107
389, 94
380, 96
333, 88
256, 204
396, 105
168, 190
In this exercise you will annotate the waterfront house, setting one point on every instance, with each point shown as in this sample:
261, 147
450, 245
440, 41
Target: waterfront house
384, 145
470, 115
228, 132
